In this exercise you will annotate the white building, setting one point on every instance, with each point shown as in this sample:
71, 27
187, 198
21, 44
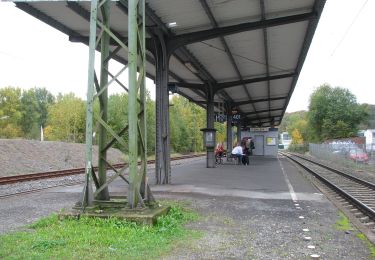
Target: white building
285, 139
370, 138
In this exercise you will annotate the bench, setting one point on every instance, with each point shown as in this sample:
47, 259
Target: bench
231, 157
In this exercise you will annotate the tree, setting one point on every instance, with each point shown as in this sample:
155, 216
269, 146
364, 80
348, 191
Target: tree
10, 112
34, 110
186, 120
296, 137
29, 114
334, 113
44, 99
66, 119
291, 119
370, 124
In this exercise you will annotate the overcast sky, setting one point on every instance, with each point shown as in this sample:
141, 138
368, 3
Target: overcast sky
342, 54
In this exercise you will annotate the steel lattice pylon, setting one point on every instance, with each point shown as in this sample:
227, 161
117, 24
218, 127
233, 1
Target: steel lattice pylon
100, 37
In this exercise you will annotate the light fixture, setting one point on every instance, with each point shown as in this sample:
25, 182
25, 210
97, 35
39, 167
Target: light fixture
171, 25
190, 67
209, 137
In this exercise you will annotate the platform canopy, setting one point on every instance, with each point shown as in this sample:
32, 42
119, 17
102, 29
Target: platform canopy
249, 51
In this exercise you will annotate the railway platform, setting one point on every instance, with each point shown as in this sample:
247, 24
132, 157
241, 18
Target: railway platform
267, 210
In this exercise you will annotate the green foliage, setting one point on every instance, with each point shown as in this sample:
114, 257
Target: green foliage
44, 99
10, 112
186, 120
291, 119
26, 111
370, 124
63, 118
296, 123
66, 119
29, 119
98, 238
299, 148
334, 113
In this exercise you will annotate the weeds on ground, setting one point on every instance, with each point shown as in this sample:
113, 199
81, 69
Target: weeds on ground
343, 223
94, 238
369, 245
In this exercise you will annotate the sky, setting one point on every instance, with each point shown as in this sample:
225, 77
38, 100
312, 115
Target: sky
33, 54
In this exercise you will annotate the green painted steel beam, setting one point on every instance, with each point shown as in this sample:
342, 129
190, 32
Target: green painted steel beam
132, 103
87, 195
103, 194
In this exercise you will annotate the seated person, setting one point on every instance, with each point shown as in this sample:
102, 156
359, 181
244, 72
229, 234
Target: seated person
219, 150
237, 152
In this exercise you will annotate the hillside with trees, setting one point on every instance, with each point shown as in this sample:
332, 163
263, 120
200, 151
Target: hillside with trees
24, 112
333, 113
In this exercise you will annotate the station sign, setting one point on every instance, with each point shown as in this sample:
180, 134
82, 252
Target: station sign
221, 118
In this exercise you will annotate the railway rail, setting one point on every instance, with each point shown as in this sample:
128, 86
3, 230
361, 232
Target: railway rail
358, 194
61, 173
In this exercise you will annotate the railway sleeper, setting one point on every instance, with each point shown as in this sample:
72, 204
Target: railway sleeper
364, 219
369, 224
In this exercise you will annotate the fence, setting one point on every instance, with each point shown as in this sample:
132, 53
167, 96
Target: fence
348, 155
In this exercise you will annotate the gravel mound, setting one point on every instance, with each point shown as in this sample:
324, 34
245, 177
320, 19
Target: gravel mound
19, 156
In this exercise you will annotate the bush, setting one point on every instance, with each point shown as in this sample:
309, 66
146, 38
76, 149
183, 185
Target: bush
298, 148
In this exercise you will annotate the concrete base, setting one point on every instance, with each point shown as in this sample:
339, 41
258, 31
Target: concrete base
117, 208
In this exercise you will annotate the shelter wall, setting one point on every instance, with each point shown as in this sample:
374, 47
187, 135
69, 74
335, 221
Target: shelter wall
266, 142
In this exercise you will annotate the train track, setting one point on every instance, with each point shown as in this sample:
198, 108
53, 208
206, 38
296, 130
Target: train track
356, 194
61, 173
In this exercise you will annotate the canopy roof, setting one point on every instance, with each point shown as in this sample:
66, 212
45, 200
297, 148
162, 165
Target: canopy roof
250, 51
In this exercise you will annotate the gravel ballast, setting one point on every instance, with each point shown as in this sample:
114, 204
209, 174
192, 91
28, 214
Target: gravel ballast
18, 156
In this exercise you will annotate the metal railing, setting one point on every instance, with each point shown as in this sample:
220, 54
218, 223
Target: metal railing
348, 155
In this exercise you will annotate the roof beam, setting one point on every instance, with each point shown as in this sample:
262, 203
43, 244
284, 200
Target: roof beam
262, 111
226, 47
202, 74
260, 118
188, 38
123, 5
266, 56
256, 122
230, 84
258, 100
233, 104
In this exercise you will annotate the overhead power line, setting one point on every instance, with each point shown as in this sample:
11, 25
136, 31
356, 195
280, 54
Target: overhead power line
349, 27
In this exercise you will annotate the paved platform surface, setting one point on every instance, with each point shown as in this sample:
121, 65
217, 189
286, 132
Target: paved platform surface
258, 211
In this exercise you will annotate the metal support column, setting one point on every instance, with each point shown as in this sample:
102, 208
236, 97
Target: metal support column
103, 102
136, 37
87, 194
229, 130
162, 165
239, 138
139, 191
210, 125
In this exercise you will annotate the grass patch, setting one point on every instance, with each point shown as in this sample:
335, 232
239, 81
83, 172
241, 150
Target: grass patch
94, 238
370, 246
343, 223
